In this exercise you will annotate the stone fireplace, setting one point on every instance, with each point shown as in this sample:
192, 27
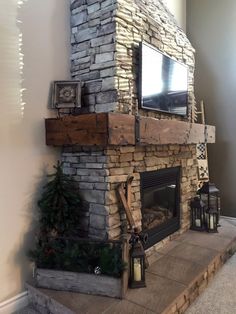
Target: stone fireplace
111, 137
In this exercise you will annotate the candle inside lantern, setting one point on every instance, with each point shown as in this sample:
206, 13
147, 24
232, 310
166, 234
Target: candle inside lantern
198, 222
137, 270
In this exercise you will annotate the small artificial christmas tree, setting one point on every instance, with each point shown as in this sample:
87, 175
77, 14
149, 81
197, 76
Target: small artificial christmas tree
58, 245
59, 206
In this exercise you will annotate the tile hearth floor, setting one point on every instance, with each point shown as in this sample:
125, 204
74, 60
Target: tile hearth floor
176, 267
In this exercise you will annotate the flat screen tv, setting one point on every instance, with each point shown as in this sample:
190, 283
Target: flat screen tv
163, 82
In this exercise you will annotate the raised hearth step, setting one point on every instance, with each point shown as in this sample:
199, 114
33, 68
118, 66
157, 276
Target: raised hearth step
181, 271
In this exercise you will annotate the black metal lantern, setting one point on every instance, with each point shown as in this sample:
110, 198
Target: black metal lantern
210, 195
137, 265
197, 214
212, 220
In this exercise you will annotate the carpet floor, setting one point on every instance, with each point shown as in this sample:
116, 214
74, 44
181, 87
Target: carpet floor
220, 295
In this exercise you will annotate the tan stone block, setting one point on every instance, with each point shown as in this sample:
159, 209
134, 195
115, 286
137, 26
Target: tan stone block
113, 159
116, 179
114, 233
111, 197
154, 168
126, 157
202, 286
140, 169
113, 209
184, 307
110, 152
139, 156
121, 171
125, 164
114, 221
137, 196
181, 301
190, 162
127, 149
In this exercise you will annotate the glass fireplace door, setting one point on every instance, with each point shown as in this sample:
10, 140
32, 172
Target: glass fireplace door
160, 203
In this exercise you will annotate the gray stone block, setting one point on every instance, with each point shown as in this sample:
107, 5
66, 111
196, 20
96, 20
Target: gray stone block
87, 159
108, 107
106, 97
104, 57
108, 72
102, 40
94, 165
92, 75
108, 48
77, 3
78, 55
99, 209
89, 99
91, 179
103, 65
102, 159
93, 7
97, 221
93, 87
78, 19
106, 3
102, 186
93, 196
107, 29
97, 234
108, 84
86, 186
86, 34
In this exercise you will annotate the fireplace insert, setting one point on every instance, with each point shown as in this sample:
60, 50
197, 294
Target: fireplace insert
160, 197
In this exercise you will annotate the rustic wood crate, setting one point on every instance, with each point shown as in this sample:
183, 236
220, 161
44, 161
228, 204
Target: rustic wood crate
85, 283
79, 282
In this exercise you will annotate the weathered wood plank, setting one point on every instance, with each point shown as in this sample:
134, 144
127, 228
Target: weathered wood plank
158, 132
79, 282
121, 128
90, 129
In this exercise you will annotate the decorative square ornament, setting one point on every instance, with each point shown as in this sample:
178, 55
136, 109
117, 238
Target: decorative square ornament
66, 94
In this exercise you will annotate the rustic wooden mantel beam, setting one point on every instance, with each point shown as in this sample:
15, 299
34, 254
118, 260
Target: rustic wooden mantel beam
159, 132
100, 129
104, 129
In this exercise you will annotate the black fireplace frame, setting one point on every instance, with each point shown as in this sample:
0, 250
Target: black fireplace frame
161, 178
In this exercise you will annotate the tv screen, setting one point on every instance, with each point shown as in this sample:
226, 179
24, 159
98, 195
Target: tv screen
163, 82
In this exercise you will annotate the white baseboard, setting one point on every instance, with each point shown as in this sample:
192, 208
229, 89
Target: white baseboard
14, 304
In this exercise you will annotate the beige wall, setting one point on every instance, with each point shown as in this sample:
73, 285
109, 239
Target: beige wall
24, 156
211, 28
178, 9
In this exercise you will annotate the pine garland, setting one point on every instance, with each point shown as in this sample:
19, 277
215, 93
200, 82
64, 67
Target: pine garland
73, 255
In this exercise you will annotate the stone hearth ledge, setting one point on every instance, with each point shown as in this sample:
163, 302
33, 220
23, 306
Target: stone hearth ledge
181, 271
103, 129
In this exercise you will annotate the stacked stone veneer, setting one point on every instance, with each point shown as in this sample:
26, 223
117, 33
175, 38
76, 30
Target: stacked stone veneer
98, 171
105, 55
